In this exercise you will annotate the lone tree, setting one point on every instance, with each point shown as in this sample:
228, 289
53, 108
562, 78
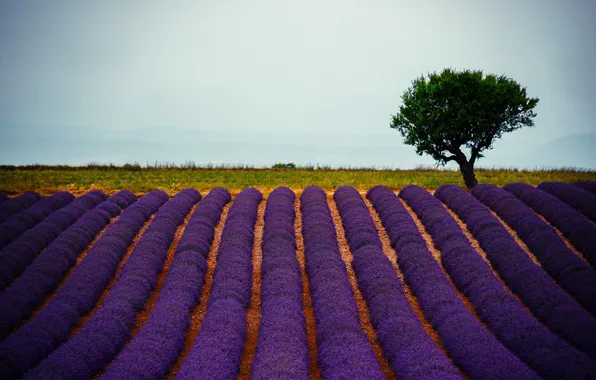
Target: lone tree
446, 111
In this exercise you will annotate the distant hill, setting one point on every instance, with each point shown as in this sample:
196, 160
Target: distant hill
78, 146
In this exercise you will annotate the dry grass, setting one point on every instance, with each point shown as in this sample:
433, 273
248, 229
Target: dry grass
47, 180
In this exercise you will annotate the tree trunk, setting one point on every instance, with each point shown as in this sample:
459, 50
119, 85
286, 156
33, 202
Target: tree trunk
467, 170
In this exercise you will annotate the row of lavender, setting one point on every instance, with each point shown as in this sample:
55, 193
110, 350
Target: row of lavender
282, 347
11, 206
153, 351
548, 354
409, 349
571, 272
549, 303
101, 338
20, 222
103, 335
217, 350
20, 252
43, 333
344, 351
572, 223
470, 345
44, 274
368, 258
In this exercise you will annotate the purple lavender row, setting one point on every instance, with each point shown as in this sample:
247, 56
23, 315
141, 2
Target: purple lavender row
282, 347
42, 277
156, 347
409, 349
470, 345
3, 197
102, 337
544, 351
344, 351
28, 218
217, 351
586, 185
572, 273
580, 199
20, 252
545, 299
27, 346
574, 226
13, 205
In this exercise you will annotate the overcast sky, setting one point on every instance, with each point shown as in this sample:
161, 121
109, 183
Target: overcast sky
283, 66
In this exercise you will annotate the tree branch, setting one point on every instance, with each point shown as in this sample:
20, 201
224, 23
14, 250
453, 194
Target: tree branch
446, 158
474, 155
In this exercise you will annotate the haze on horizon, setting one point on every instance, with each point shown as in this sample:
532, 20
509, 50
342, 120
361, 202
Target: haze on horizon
266, 81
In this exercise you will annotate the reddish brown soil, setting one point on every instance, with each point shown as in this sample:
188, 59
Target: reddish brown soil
365, 323
309, 315
198, 312
253, 315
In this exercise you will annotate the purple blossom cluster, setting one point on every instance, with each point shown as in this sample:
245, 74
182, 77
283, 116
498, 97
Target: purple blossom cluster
572, 224
586, 185
29, 217
544, 351
573, 274
13, 205
102, 337
580, 199
411, 352
32, 342
470, 345
155, 348
20, 252
45, 273
344, 351
217, 351
545, 299
282, 347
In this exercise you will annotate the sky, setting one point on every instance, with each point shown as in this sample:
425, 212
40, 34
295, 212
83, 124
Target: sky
258, 82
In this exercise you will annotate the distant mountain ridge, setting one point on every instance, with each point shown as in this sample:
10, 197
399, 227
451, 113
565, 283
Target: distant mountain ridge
78, 146
573, 150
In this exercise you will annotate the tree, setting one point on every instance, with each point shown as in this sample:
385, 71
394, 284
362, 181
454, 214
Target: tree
447, 111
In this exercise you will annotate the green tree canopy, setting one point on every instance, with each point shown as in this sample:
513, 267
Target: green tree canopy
450, 110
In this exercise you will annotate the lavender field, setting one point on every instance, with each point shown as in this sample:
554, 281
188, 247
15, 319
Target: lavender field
496, 283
